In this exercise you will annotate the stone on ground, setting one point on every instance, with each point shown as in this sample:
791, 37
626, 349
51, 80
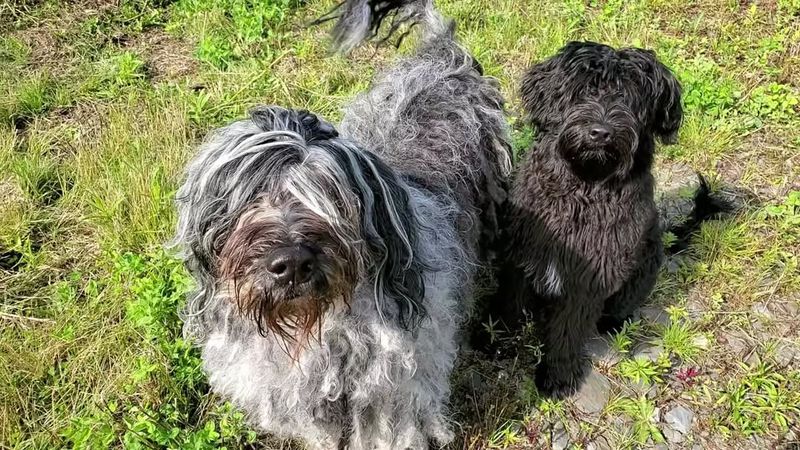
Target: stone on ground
679, 419
593, 395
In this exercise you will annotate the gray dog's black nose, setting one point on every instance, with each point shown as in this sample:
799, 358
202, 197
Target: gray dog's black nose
600, 134
292, 265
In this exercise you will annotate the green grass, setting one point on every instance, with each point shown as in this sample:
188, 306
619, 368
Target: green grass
622, 341
763, 398
643, 371
679, 339
102, 103
640, 412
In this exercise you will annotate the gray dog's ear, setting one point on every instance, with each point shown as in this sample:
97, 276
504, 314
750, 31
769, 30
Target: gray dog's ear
389, 227
663, 91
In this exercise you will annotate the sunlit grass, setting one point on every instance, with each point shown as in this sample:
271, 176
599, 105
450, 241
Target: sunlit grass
92, 149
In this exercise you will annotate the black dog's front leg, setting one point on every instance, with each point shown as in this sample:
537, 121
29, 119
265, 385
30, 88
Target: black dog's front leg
634, 292
565, 326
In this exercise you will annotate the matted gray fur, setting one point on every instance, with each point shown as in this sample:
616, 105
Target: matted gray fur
335, 268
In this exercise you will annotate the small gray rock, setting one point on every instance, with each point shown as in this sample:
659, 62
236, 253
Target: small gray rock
786, 354
758, 442
656, 417
655, 315
600, 350
674, 184
560, 438
594, 393
738, 345
762, 310
753, 359
672, 265
791, 308
637, 388
621, 424
680, 419
600, 443
701, 341
648, 351
672, 436
477, 382
573, 430
652, 392
695, 307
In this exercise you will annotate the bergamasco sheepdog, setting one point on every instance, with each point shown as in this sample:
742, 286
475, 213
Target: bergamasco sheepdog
335, 265
584, 243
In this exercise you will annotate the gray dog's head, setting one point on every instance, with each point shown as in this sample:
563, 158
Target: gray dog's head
287, 218
604, 106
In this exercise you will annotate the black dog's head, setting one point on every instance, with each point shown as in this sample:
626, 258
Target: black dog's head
605, 107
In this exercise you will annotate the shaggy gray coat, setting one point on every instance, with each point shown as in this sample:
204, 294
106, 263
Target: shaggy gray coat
421, 160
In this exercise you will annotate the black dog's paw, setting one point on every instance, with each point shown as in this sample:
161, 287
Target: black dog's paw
561, 386
611, 325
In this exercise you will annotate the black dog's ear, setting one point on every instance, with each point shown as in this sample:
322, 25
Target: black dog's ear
535, 92
664, 92
545, 88
669, 112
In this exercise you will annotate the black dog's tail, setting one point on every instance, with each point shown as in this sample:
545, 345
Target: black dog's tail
361, 20
707, 206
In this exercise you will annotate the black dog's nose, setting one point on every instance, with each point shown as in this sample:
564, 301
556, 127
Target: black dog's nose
600, 134
292, 265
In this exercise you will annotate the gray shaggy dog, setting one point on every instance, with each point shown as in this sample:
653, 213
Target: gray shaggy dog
584, 241
335, 267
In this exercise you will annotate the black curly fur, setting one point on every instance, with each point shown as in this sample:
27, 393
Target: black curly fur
584, 241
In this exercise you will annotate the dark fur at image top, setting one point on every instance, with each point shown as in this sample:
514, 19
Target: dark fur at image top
584, 241
336, 265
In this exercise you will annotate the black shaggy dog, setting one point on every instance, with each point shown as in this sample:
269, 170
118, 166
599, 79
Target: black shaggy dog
584, 242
